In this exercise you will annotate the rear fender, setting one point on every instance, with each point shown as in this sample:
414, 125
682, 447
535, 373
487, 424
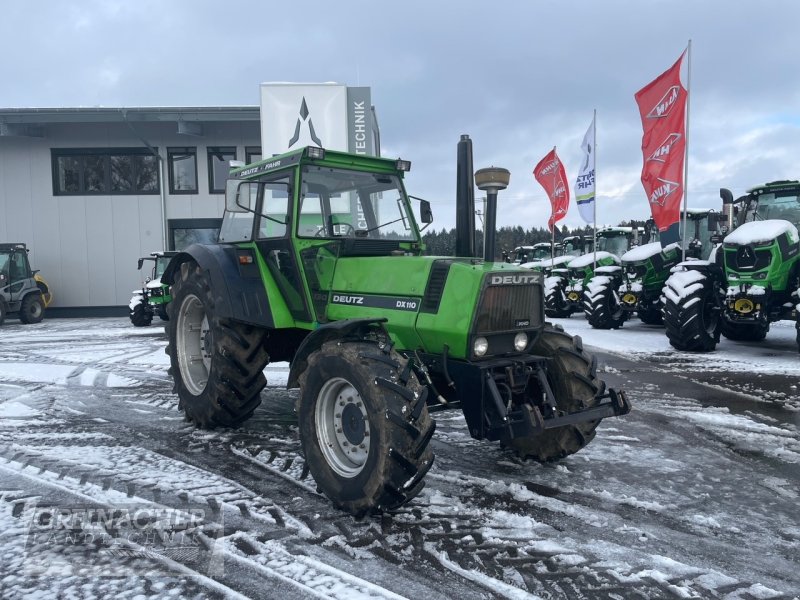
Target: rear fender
239, 291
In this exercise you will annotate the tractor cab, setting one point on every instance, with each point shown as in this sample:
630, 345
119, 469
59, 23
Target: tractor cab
536, 252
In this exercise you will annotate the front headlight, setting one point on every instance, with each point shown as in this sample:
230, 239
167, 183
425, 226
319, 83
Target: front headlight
520, 341
480, 346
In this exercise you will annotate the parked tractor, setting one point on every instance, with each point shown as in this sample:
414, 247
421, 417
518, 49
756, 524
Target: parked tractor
752, 280
321, 263
23, 293
565, 286
536, 252
635, 286
153, 298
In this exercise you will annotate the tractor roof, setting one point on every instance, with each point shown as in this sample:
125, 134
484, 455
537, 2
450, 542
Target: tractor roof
774, 186
12, 247
322, 157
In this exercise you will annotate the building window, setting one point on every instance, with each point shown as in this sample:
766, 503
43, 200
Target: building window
218, 167
103, 171
182, 170
252, 154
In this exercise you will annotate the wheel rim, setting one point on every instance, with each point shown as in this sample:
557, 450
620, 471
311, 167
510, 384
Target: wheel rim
342, 427
193, 339
36, 310
710, 317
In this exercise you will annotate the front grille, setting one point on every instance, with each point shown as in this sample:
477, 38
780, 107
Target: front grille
507, 307
747, 258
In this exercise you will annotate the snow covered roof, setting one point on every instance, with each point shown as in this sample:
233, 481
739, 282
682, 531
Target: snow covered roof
588, 259
548, 262
644, 252
761, 231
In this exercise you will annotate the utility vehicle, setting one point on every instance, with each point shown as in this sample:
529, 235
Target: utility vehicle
22, 293
320, 262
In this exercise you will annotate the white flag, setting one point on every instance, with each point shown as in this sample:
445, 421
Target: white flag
584, 185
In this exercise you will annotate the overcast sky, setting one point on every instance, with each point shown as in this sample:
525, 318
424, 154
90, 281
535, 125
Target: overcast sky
518, 77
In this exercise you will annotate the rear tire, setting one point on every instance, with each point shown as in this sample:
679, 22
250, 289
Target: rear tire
161, 311
601, 305
216, 363
741, 332
32, 308
691, 315
2, 311
364, 426
572, 376
652, 314
140, 315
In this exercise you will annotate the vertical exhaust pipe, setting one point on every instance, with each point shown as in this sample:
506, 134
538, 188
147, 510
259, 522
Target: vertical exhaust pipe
491, 180
465, 200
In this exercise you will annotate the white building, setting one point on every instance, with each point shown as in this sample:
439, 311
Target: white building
90, 190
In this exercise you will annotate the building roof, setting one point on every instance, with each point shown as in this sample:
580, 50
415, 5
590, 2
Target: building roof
104, 114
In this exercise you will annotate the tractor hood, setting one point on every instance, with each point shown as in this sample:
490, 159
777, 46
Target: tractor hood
431, 302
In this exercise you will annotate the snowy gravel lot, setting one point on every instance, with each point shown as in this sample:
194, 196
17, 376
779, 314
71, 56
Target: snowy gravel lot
106, 492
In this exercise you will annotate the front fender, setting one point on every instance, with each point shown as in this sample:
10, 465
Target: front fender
358, 328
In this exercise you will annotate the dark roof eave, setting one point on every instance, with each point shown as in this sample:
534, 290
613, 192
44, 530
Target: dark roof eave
134, 114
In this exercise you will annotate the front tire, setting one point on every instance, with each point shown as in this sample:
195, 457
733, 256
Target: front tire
140, 315
744, 332
572, 376
691, 315
364, 426
601, 304
32, 308
217, 364
555, 301
2, 311
161, 311
651, 314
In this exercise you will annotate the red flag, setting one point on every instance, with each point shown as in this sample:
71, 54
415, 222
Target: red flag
662, 106
551, 176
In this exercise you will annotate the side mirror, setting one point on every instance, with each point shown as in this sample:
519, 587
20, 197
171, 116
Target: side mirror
140, 263
726, 195
425, 212
147, 279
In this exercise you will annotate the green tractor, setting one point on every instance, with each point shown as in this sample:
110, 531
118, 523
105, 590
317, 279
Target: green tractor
154, 296
22, 292
534, 253
565, 285
751, 281
320, 262
635, 286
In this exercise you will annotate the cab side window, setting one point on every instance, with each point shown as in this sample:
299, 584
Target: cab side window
274, 209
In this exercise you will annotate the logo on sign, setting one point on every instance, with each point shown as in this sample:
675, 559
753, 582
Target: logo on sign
662, 152
665, 105
660, 193
548, 168
303, 118
513, 279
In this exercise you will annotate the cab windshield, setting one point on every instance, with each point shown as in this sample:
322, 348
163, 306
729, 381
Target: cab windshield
339, 203
161, 265
772, 206
615, 245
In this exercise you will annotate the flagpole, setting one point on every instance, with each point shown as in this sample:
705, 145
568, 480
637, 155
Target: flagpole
553, 228
594, 204
686, 149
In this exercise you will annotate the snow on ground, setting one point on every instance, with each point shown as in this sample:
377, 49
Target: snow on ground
694, 494
777, 354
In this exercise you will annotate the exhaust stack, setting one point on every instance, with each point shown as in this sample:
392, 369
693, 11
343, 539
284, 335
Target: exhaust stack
465, 200
491, 180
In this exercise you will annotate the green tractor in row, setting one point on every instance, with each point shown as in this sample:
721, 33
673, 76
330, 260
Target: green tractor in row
23, 293
635, 286
751, 281
152, 299
536, 252
565, 285
321, 263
